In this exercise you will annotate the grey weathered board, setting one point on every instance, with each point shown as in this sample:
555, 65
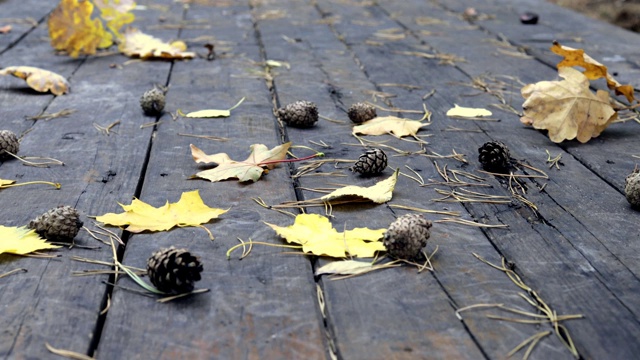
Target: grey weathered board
578, 251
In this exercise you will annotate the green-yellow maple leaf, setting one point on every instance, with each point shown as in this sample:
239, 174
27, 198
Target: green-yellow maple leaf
379, 193
140, 216
389, 124
317, 236
20, 241
251, 169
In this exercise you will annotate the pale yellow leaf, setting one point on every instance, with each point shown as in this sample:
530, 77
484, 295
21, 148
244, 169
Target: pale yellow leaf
344, 267
567, 108
21, 241
6, 182
211, 113
382, 125
251, 169
378, 193
139, 44
39, 79
459, 111
190, 210
317, 236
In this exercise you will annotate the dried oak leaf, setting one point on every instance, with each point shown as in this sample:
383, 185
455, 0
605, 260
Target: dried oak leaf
116, 14
317, 236
567, 108
251, 169
139, 44
190, 210
593, 69
39, 79
389, 124
20, 241
72, 29
379, 193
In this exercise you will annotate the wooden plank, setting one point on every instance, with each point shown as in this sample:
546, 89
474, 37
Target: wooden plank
23, 17
47, 304
397, 297
514, 247
263, 307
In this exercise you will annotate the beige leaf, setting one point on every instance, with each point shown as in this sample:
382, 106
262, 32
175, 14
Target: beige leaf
379, 193
39, 79
389, 124
139, 44
345, 267
459, 111
567, 108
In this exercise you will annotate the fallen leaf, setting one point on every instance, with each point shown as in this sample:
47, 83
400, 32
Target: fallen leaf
459, 111
6, 182
317, 236
39, 79
139, 44
593, 69
211, 113
379, 193
21, 241
567, 108
389, 124
344, 267
190, 210
250, 169
72, 29
5, 29
116, 13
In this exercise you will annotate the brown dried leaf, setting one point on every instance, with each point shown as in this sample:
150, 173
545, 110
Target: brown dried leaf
567, 108
139, 44
39, 79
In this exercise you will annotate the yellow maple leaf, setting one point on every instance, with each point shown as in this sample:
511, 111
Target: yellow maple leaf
250, 169
190, 210
379, 193
138, 44
317, 236
567, 108
72, 29
593, 69
382, 125
39, 79
20, 241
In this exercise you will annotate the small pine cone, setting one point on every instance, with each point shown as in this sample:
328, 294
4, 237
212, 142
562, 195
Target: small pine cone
406, 236
494, 157
174, 270
8, 142
302, 114
59, 224
372, 162
361, 112
153, 101
632, 188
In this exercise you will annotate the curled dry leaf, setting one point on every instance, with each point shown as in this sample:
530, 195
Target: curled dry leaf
593, 69
567, 108
139, 44
317, 236
251, 169
20, 240
39, 79
379, 193
389, 124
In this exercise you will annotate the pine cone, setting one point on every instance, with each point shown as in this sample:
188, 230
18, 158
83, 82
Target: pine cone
174, 270
153, 101
361, 112
302, 114
406, 236
372, 162
8, 142
59, 224
632, 188
494, 157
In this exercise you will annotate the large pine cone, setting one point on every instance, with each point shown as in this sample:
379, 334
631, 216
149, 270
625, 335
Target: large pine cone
174, 270
361, 112
406, 236
494, 157
8, 142
372, 162
60, 224
302, 114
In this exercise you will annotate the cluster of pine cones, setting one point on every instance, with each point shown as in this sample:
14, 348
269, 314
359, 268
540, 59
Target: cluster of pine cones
304, 114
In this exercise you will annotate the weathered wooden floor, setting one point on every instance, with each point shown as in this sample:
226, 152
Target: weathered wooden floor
580, 251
